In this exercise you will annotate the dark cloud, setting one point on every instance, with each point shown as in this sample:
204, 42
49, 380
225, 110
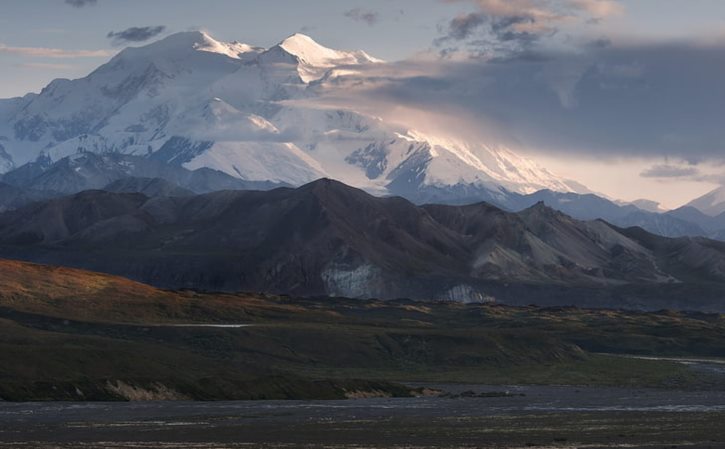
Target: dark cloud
81, 3
670, 171
665, 100
135, 34
602, 42
501, 36
363, 15
505, 27
464, 26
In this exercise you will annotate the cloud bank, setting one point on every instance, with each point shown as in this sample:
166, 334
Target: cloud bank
614, 101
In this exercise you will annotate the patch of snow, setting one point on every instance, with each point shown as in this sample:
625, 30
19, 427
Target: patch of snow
467, 294
358, 282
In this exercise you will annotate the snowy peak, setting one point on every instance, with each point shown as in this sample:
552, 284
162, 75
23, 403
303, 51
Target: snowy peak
310, 52
235, 49
180, 45
316, 59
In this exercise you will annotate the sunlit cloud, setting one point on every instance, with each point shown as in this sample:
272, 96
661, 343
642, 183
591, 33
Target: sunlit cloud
44, 52
44, 66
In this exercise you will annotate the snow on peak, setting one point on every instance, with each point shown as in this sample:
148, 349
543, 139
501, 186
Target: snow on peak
184, 42
309, 51
316, 60
233, 49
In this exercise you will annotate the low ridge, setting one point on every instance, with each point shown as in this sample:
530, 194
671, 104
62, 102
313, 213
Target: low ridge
327, 238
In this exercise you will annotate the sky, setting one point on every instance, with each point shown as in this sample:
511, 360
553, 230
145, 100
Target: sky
624, 96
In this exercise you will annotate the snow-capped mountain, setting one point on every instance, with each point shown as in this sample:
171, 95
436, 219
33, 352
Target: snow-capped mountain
254, 114
712, 204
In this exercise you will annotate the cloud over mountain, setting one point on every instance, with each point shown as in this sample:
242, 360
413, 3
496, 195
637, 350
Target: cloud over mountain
135, 34
620, 100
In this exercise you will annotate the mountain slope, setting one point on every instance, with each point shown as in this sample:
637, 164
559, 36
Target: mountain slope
87, 170
257, 115
12, 197
326, 238
148, 186
712, 203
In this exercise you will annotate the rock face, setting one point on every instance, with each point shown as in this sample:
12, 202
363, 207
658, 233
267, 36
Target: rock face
258, 115
326, 238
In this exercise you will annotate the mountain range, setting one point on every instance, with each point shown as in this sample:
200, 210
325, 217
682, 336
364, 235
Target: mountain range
329, 239
117, 172
257, 115
206, 115
195, 163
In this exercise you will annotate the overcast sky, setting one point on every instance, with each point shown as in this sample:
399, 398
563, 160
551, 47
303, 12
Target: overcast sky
625, 96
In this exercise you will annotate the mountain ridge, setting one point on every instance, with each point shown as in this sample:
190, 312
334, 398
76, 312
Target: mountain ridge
326, 238
712, 203
86, 170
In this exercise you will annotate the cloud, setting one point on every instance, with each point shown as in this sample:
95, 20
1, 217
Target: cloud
81, 3
463, 26
44, 66
514, 26
598, 9
614, 101
135, 34
669, 171
43, 52
363, 15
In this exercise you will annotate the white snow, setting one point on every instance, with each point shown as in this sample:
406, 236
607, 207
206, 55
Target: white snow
316, 60
260, 161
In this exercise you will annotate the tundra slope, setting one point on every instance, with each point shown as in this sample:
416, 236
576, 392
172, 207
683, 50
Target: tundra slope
326, 238
58, 326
